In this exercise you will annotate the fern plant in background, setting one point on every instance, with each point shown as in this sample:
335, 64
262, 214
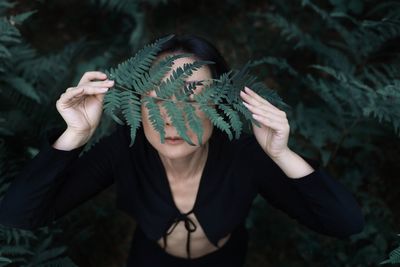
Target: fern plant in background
137, 76
336, 63
22, 72
394, 257
353, 76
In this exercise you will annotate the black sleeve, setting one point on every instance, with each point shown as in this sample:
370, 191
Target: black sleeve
315, 200
56, 181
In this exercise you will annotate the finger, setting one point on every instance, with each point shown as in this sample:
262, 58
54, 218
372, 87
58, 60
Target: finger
68, 97
250, 99
265, 108
82, 90
266, 113
268, 122
91, 75
257, 97
71, 92
268, 108
69, 89
106, 83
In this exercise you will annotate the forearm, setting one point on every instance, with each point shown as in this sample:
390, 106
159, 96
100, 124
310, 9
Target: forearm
293, 165
70, 140
31, 196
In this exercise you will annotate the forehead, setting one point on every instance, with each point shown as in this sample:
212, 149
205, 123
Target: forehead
203, 73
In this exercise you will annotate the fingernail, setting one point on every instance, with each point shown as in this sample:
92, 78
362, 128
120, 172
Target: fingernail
103, 90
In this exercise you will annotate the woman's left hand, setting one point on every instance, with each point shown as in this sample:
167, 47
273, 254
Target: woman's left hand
273, 135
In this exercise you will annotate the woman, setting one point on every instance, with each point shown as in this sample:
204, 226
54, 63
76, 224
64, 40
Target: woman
190, 202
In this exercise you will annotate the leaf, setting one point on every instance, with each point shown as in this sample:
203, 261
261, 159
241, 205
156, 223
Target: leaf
137, 76
130, 105
155, 116
20, 18
194, 121
22, 87
177, 120
112, 103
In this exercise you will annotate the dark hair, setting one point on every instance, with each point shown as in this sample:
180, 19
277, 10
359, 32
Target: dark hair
199, 47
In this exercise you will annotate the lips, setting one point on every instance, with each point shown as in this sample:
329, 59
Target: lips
174, 138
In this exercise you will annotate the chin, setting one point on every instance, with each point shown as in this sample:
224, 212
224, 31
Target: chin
174, 152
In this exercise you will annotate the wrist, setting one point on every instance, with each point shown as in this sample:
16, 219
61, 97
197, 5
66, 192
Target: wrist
284, 155
78, 132
292, 164
71, 139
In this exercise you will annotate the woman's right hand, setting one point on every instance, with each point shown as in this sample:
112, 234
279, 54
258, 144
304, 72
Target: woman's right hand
81, 106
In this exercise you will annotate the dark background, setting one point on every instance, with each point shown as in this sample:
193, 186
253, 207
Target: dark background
344, 113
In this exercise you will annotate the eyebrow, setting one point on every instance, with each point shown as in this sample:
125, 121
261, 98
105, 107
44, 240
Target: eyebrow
195, 81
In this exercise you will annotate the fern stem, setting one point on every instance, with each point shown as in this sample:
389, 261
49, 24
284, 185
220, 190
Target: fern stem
156, 97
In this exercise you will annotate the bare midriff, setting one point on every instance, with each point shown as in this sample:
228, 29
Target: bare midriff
184, 192
199, 243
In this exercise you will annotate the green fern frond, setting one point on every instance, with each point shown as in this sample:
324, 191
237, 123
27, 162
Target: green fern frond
194, 122
9, 33
130, 106
5, 5
158, 71
281, 63
327, 92
234, 119
15, 250
60, 262
223, 93
130, 73
48, 254
217, 120
20, 18
4, 260
177, 79
23, 87
188, 90
155, 116
332, 22
390, 9
112, 102
177, 119
304, 40
394, 257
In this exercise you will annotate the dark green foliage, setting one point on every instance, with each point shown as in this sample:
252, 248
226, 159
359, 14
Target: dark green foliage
394, 257
334, 62
139, 75
22, 70
358, 94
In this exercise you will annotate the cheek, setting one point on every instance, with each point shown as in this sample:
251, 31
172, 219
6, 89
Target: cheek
147, 126
207, 127
145, 113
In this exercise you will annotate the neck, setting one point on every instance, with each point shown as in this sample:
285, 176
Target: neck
188, 167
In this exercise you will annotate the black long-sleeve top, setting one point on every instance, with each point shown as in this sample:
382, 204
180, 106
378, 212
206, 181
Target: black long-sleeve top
56, 181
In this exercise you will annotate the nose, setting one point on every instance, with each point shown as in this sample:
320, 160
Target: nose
165, 116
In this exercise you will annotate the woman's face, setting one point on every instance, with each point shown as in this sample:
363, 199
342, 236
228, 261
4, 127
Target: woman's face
178, 149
